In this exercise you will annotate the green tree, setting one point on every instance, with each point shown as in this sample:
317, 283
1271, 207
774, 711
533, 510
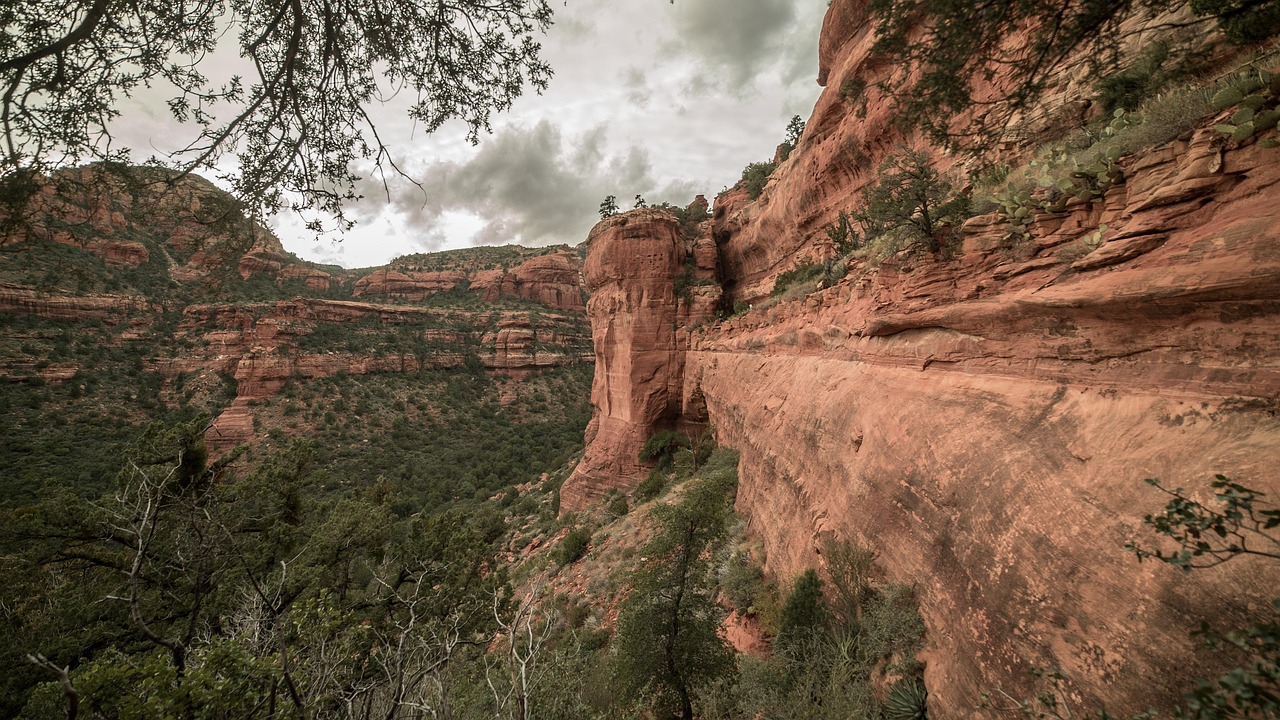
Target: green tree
668, 645
755, 176
609, 207
911, 198
574, 545
200, 594
661, 446
795, 129
298, 123
804, 616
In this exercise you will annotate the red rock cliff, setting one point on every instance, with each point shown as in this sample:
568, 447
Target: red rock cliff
983, 423
550, 279
634, 311
629, 273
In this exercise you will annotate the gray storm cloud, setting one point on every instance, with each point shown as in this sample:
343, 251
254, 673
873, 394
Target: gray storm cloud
530, 185
740, 39
666, 100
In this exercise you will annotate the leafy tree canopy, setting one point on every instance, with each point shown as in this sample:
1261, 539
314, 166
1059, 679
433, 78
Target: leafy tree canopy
298, 123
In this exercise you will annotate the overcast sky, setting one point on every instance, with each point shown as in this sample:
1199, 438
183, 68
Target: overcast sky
663, 99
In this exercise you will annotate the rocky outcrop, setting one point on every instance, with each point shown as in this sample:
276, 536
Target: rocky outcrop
313, 278
989, 438
984, 423
261, 346
550, 279
106, 308
630, 272
198, 228
407, 286
520, 344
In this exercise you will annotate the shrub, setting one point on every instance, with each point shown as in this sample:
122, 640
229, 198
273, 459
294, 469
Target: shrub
908, 700
842, 235
617, 506
804, 616
755, 176
849, 567
574, 545
661, 446
1128, 88
801, 273
682, 284
890, 625
652, 486
742, 581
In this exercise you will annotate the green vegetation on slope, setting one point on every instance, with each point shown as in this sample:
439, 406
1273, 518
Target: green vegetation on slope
485, 257
442, 437
67, 433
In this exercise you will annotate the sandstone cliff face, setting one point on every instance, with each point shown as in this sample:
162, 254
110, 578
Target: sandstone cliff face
108, 210
634, 311
983, 423
629, 270
550, 279
108, 308
854, 127
263, 347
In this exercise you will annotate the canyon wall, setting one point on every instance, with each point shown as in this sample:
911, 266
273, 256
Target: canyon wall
172, 271
265, 346
983, 422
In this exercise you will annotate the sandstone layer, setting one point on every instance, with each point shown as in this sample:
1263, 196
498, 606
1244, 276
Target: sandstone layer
259, 345
984, 423
629, 272
551, 279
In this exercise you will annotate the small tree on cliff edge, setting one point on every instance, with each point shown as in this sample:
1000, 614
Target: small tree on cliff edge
795, 129
609, 207
911, 198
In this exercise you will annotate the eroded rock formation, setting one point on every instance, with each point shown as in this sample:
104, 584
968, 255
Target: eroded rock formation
634, 311
550, 279
984, 423
261, 346
185, 233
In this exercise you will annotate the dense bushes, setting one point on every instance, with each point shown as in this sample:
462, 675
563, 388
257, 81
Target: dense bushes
832, 637
755, 176
574, 545
798, 275
651, 486
661, 446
